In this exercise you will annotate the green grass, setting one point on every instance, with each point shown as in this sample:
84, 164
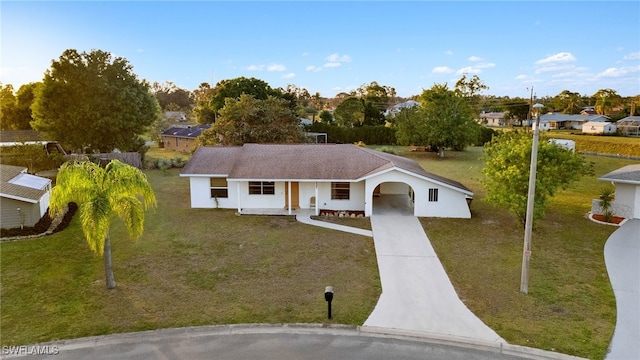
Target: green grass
197, 267
191, 267
570, 307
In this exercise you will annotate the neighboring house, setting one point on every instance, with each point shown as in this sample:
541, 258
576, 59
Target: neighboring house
175, 116
627, 196
19, 137
24, 198
492, 119
559, 121
395, 109
329, 177
598, 127
182, 138
629, 126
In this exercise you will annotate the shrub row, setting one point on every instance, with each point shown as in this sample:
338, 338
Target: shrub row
378, 135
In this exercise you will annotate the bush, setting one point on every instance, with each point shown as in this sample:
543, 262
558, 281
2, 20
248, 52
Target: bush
373, 135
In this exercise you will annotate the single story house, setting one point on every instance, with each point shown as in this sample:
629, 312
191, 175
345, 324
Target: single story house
492, 119
559, 121
395, 109
175, 116
598, 127
24, 198
182, 138
261, 178
627, 197
629, 126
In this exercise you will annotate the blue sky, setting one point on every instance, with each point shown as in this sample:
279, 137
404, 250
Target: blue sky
333, 46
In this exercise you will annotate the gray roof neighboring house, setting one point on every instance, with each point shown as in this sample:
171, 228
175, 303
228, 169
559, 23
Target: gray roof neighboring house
572, 117
629, 174
16, 184
326, 162
190, 132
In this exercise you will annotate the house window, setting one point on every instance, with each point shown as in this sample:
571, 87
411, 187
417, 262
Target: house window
262, 188
433, 194
340, 191
219, 188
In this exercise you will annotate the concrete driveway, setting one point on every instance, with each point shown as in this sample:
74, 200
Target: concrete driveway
417, 294
622, 257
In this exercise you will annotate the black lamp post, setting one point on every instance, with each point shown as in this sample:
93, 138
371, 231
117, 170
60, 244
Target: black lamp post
328, 296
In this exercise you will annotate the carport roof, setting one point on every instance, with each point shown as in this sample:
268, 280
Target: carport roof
301, 162
629, 174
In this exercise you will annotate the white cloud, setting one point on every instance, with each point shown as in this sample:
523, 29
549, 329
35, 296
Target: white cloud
305, 54
632, 56
619, 48
469, 70
485, 65
562, 57
474, 58
522, 77
313, 68
551, 68
442, 70
276, 67
255, 67
331, 64
448, 52
140, 50
289, 76
338, 58
618, 72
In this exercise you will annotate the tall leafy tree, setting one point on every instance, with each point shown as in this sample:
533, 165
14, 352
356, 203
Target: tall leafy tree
445, 120
507, 158
350, 112
171, 97
568, 102
376, 98
7, 106
95, 101
251, 120
118, 190
470, 89
606, 100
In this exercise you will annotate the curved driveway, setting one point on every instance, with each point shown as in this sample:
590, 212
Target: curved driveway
417, 294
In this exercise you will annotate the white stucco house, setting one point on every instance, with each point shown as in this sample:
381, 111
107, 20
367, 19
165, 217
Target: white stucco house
627, 196
598, 127
259, 178
24, 198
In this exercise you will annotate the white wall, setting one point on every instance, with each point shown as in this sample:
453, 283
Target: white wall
247, 201
396, 188
201, 194
451, 203
627, 201
307, 190
356, 197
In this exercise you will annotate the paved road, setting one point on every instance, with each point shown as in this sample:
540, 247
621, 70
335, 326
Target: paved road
268, 342
622, 257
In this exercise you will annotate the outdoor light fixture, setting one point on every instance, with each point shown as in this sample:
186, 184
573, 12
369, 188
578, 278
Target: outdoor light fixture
528, 225
328, 296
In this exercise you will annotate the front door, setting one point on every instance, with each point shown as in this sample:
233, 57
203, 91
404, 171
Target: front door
295, 195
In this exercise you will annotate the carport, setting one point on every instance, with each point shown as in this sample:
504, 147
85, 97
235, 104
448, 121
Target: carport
393, 198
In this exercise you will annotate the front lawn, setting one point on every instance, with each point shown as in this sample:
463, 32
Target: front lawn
191, 267
570, 307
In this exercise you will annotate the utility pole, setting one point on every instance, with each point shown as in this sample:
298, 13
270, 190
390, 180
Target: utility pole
530, 104
528, 225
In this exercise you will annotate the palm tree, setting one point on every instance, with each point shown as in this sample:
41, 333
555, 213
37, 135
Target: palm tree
118, 189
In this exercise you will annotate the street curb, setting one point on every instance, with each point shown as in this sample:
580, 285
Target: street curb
311, 328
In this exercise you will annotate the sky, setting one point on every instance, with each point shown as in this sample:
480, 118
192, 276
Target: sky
333, 46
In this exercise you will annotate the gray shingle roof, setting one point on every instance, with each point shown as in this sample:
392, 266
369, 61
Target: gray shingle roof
572, 117
13, 191
628, 174
301, 162
191, 132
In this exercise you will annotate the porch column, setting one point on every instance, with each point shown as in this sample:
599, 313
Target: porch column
317, 204
289, 197
238, 195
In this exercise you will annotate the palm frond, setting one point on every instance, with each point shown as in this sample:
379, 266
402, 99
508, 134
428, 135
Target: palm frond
95, 217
